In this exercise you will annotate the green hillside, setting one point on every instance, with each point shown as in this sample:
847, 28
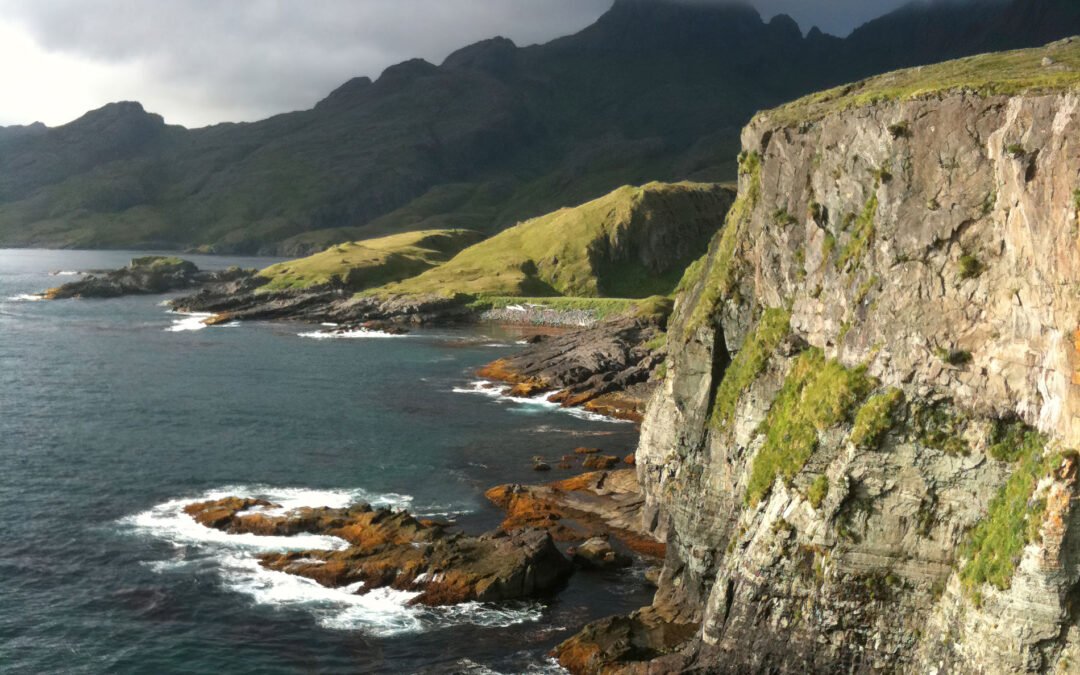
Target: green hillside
372, 262
634, 242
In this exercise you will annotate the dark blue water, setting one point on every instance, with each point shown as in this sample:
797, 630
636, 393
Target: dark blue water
111, 418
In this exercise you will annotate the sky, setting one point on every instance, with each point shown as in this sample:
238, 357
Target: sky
199, 62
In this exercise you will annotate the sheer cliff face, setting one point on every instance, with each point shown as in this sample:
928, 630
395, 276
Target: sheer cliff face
845, 456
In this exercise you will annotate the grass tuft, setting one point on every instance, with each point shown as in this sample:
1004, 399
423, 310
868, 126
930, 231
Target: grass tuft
970, 266
874, 418
860, 238
1012, 522
817, 394
773, 326
818, 491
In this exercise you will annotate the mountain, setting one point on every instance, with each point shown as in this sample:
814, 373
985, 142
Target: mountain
654, 90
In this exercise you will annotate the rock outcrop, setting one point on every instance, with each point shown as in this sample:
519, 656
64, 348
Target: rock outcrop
607, 368
145, 275
859, 457
579, 509
393, 549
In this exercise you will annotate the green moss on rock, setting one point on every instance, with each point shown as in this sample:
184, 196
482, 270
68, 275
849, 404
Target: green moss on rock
749, 362
861, 236
817, 394
818, 491
874, 418
720, 273
1012, 522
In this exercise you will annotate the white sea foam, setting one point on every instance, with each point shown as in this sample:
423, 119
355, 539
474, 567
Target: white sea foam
349, 334
378, 612
26, 297
529, 405
65, 273
188, 321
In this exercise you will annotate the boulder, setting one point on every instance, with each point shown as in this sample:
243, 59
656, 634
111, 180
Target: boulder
597, 553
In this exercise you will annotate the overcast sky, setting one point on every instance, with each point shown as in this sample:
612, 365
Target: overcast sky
198, 62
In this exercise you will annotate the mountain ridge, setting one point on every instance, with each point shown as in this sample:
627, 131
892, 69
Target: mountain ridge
494, 135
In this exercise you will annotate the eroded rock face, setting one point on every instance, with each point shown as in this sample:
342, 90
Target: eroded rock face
393, 549
146, 275
924, 258
606, 368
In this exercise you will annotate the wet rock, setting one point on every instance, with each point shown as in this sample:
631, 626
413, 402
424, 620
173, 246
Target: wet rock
607, 367
576, 509
597, 553
600, 462
605, 645
393, 549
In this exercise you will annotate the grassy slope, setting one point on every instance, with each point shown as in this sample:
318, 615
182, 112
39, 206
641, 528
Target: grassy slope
371, 262
1003, 73
585, 251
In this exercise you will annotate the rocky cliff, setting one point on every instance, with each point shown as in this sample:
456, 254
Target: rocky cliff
861, 457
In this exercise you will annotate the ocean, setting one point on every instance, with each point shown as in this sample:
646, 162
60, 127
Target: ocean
116, 413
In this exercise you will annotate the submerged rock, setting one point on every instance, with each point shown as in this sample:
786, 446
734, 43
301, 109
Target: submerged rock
393, 549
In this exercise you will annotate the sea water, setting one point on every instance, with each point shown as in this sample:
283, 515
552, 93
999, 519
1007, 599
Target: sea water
114, 414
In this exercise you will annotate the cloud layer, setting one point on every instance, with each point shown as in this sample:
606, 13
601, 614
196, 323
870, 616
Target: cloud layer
199, 62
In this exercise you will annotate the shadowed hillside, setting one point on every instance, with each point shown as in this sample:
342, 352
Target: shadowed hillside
654, 90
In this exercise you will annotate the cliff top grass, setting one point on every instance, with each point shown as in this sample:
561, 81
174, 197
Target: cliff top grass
1001, 73
363, 264
589, 250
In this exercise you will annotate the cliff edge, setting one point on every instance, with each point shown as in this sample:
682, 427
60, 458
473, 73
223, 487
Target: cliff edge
861, 455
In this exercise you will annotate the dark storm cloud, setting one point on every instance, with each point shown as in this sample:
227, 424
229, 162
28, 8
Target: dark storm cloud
200, 61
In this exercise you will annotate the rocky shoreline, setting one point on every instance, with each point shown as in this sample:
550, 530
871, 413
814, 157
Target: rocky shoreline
590, 521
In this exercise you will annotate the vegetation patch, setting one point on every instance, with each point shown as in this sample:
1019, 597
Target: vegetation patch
372, 262
1012, 522
953, 357
875, 418
817, 394
720, 279
598, 249
1012, 440
900, 130
783, 218
861, 236
1015, 150
818, 491
865, 288
601, 308
773, 326
939, 429
157, 262
1000, 73
970, 266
